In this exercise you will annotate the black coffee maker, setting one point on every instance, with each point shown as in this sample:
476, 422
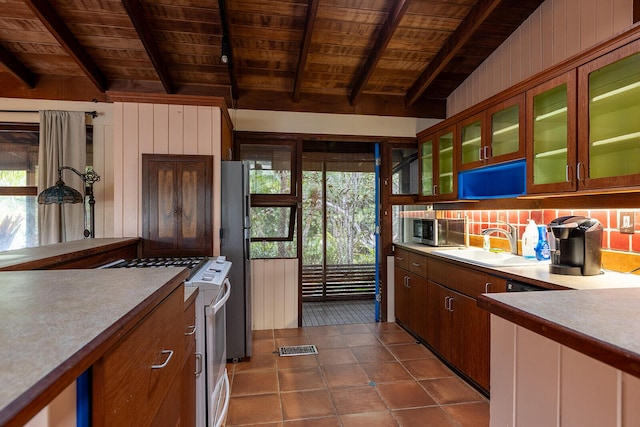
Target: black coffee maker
577, 247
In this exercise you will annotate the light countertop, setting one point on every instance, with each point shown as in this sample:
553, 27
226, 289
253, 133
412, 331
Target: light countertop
24, 258
57, 323
600, 323
539, 274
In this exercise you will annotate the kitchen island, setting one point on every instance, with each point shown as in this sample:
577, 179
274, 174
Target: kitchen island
85, 253
565, 358
57, 324
435, 293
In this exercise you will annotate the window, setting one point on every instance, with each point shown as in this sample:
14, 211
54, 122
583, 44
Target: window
272, 181
18, 183
18, 186
404, 173
270, 167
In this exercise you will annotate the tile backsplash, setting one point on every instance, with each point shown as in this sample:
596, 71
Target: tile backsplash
623, 250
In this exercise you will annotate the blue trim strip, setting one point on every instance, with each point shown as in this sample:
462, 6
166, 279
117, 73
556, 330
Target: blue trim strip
83, 399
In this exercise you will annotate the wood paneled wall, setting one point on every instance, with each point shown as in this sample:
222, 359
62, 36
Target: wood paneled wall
557, 30
274, 298
160, 129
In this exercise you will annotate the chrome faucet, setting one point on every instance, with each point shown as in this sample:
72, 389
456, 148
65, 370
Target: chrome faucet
512, 235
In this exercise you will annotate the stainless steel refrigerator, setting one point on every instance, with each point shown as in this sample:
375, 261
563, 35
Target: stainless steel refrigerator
235, 235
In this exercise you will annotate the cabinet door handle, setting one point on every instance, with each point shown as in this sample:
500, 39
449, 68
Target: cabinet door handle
486, 154
434, 190
198, 364
480, 154
191, 329
451, 304
579, 166
408, 282
415, 264
567, 173
399, 258
166, 362
486, 287
446, 303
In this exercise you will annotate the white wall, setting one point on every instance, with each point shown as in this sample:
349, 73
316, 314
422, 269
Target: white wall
274, 293
159, 129
557, 30
333, 124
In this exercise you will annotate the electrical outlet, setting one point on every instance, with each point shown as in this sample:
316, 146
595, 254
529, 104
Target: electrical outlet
626, 222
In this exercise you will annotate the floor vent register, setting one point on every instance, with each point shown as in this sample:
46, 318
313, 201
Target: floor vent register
298, 350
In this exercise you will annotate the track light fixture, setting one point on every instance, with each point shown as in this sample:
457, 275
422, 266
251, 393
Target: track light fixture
225, 50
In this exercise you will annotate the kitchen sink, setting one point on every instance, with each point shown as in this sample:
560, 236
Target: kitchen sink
489, 259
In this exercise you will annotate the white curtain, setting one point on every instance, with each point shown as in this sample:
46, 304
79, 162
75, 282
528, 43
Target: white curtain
63, 142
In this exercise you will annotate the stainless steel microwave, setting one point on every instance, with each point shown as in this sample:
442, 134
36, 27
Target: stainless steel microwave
417, 231
443, 232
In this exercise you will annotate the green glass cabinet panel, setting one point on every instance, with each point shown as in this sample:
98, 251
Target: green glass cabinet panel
505, 131
614, 119
471, 142
426, 157
550, 136
445, 164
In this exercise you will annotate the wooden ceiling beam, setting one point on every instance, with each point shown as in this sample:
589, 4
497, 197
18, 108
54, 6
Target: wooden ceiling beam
378, 105
228, 49
136, 14
384, 37
312, 10
56, 26
17, 68
477, 15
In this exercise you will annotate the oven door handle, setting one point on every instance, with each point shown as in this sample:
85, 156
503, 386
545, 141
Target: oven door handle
225, 406
220, 303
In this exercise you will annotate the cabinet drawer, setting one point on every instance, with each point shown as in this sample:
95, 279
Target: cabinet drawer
189, 329
401, 258
418, 264
129, 384
464, 280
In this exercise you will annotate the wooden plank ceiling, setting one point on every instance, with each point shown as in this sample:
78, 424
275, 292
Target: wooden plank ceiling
385, 57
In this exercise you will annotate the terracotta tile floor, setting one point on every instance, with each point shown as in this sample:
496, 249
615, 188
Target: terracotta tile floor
366, 375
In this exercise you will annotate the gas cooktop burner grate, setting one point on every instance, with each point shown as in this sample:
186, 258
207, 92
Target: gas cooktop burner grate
192, 263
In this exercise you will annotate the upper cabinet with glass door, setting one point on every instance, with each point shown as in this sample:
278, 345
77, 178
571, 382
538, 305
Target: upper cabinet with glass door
446, 187
551, 135
609, 100
472, 141
427, 165
495, 135
438, 167
505, 139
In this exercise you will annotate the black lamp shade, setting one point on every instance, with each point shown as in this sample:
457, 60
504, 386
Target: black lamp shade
60, 193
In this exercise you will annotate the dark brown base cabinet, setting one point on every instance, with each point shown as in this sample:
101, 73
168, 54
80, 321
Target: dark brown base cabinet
188, 407
440, 309
411, 291
142, 380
